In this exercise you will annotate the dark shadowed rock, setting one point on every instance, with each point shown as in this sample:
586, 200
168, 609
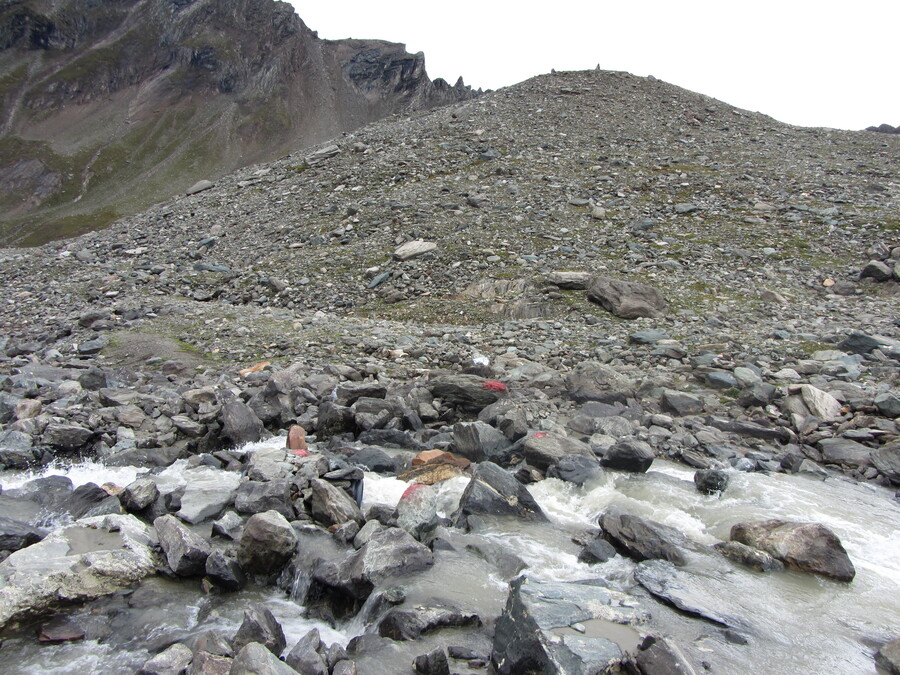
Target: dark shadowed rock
846, 452
305, 656
185, 551
138, 495
67, 437
495, 492
374, 459
408, 623
478, 442
578, 469
597, 550
887, 461
433, 663
807, 547
626, 299
334, 419
260, 626
240, 424
633, 456
267, 543
388, 552
15, 535
658, 656
888, 657
527, 638
224, 571
711, 481
641, 539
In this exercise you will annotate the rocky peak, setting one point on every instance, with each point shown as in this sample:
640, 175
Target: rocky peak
106, 107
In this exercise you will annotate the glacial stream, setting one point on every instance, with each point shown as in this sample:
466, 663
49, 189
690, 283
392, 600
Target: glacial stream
786, 622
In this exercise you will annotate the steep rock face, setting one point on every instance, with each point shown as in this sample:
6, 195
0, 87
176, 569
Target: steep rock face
108, 106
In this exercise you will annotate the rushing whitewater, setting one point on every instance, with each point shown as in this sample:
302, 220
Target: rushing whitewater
794, 622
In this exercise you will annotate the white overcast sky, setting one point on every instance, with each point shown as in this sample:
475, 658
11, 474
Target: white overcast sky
811, 63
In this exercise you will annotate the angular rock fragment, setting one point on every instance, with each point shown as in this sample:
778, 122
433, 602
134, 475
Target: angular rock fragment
186, 552
641, 539
495, 492
260, 626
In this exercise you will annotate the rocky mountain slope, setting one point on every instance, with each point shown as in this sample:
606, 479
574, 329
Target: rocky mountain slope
107, 107
574, 277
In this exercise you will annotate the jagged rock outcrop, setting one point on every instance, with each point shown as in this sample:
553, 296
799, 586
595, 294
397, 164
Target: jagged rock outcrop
108, 107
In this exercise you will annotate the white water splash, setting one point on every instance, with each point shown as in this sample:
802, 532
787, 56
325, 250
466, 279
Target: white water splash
80, 473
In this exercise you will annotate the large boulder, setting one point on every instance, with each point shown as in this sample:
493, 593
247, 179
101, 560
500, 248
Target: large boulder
468, 392
185, 551
807, 547
629, 455
240, 425
820, 403
656, 656
267, 543
207, 494
595, 381
626, 299
846, 452
641, 539
330, 505
529, 636
545, 448
493, 491
478, 442
92, 558
390, 551
711, 481
258, 496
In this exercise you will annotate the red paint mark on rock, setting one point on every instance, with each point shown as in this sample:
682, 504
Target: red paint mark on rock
540, 434
494, 385
411, 490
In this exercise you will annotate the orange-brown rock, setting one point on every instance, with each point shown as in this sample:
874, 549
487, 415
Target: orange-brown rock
255, 368
431, 473
440, 457
296, 439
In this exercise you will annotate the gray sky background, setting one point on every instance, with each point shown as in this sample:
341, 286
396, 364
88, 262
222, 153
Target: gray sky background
824, 63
